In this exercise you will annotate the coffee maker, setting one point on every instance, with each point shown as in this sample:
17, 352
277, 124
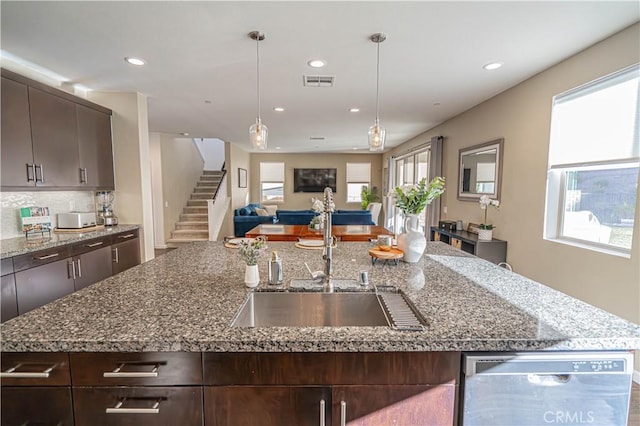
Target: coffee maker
105, 209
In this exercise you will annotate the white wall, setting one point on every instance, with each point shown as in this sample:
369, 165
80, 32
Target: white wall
522, 116
155, 155
181, 168
212, 151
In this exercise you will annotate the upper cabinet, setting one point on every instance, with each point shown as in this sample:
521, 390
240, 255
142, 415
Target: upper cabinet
53, 140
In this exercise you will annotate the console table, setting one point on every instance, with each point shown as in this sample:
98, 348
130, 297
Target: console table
492, 250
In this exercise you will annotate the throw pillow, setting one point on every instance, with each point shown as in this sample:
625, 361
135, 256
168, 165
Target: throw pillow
245, 211
262, 212
271, 210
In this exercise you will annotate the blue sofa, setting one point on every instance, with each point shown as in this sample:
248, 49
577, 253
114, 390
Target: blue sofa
246, 218
339, 217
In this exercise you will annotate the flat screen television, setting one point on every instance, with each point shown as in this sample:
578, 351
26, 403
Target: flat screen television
313, 180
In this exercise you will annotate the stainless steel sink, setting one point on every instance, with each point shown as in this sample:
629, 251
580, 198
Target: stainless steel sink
299, 309
341, 309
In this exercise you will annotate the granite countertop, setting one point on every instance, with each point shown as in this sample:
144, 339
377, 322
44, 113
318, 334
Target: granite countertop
20, 245
186, 299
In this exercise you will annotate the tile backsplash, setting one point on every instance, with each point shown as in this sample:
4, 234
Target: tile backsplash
57, 201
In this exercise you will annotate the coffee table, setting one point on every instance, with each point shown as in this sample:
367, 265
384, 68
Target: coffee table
276, 232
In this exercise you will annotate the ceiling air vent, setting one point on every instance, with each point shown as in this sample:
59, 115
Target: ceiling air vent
318, 80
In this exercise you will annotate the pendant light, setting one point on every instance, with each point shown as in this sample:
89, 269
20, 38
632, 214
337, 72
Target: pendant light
258, 132
377, 132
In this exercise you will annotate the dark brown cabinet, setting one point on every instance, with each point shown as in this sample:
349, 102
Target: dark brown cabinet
36, 389
125, 251
137, 388
17, 152
9, 308
91, 262
95, 149
55, 140
43, 284
52, 139
267, 405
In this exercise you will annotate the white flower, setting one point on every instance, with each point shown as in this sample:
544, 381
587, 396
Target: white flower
317, 205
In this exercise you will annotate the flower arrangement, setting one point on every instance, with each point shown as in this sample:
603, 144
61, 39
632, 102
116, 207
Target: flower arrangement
485, 202
250, 251
317, 206
412, 199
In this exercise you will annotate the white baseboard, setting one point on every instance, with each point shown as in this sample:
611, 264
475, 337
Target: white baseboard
161, 246
636, 376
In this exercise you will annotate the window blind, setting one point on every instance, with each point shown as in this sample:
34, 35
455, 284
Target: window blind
271, 172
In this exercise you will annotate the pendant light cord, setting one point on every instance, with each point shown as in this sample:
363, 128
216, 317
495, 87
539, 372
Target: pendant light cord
258, 71
377, 80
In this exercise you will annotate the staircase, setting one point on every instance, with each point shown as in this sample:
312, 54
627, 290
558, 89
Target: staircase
194, 223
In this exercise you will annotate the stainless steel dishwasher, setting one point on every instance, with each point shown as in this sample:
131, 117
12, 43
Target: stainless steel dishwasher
522, 389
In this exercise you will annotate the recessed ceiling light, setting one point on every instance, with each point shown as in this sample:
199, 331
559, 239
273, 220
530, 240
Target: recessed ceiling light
354, 109
278, 109
492, 66
355, 148
316, 63
135, 61
277, 147
184, 134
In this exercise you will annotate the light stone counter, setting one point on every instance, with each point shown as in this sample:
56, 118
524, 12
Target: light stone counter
20, 245
186, 299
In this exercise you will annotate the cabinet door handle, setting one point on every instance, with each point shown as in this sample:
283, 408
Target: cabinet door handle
71, 274
132, 374
115, 255
322, 415
119, 409
31, 173
49, 256
343, 413
79, 270
41, 178
124, 237
11, 373
99, 243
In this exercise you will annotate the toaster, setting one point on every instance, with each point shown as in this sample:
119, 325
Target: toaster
76, 220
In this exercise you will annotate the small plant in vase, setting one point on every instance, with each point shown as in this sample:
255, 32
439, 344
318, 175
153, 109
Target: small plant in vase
485, 230
412, 200
250, 251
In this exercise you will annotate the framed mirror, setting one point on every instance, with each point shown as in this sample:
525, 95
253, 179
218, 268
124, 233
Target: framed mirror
480, 171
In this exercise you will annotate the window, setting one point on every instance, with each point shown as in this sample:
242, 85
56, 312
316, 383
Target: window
409, 170
594, 160
271, 181
358, 175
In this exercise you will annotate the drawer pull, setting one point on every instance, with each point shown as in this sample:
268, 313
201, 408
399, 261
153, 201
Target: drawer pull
99, 243
124, 237
49, 256
13, 374
119, 409
322, 415
132, 374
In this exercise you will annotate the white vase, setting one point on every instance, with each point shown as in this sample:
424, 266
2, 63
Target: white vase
412, 242
251, 276
485, 234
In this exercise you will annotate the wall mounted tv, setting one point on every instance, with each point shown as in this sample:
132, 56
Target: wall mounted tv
313, 180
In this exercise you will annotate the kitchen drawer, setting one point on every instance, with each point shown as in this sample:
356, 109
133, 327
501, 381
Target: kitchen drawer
6, 266
42, 368
36, 406
90, 245
140, 368
139, 406
124, 236
42, 257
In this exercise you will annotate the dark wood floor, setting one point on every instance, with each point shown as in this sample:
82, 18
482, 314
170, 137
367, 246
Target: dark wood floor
634, 409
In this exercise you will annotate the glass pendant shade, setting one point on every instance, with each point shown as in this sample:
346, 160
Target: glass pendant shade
258, 133
376, 137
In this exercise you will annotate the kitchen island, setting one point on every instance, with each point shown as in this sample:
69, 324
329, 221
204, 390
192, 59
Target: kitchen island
181, 305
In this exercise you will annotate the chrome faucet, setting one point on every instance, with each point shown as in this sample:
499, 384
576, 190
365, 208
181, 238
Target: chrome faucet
327, 253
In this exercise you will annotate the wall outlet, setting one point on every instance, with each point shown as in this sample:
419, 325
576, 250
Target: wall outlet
166, 204
444, 210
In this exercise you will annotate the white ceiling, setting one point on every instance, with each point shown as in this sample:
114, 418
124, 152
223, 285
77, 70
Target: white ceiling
431, 62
